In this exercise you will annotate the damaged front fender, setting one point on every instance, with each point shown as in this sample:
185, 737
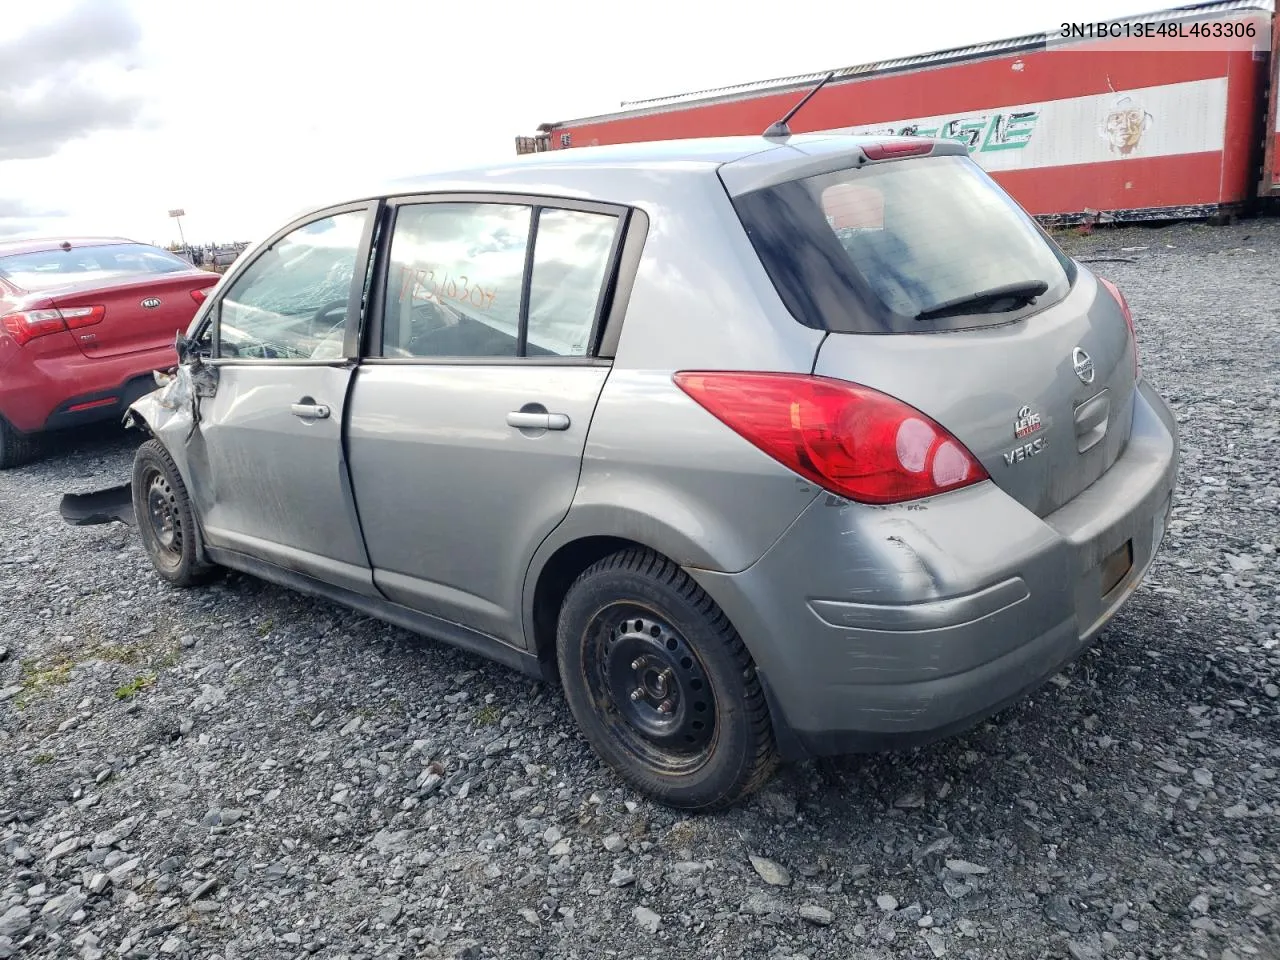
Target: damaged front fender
178, 397
170, 413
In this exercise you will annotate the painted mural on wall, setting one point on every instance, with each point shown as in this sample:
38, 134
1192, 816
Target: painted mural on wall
1159, 121
1125, 124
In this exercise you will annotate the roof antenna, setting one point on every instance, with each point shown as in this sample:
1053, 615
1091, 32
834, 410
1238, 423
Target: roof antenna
780, 130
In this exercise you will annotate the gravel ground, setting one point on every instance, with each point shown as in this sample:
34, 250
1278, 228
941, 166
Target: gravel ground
241, 772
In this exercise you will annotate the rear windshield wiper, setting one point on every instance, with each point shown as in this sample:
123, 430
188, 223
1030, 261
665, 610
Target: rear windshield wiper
1023, 292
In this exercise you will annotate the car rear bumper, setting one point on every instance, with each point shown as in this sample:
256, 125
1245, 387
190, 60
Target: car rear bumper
883, 626
39, 393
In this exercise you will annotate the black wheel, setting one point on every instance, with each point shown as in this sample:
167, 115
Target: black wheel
165, 518
662, 685
15, 448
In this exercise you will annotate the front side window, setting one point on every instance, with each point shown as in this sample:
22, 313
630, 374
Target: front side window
907, 246
456, 280
291, 302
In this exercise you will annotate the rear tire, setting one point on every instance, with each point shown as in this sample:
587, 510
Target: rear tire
661, 684
166, 519
15, 448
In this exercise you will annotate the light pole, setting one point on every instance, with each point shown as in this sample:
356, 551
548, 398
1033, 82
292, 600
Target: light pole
178, 214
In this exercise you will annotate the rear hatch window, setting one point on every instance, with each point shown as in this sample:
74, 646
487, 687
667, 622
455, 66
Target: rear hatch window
907, 246
49, 269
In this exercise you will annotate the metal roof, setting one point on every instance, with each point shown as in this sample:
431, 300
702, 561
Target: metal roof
978, 51
581, 172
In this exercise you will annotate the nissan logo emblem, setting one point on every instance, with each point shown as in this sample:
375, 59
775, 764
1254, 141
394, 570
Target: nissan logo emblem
1083, 365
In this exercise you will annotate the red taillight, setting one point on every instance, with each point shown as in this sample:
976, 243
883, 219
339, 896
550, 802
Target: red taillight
25, 325
847, 438
1128, 319
200, 295
900, 148
78, 317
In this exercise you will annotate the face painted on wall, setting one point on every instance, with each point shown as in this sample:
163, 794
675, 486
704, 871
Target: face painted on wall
1124, 126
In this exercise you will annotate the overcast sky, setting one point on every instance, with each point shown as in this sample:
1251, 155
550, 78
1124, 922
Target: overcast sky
240, 111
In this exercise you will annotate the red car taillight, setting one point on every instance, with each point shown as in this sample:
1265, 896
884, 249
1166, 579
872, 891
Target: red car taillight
25, 325
847, 438
1128, 319
78, 317
199, 295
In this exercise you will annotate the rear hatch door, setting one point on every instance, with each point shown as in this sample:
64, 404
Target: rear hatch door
935, 287
1012, 394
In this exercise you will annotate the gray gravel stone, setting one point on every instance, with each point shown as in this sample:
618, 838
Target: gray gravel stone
205, 888
815, 914
965, 868
58, 910
15, 922
647, 920
770, 871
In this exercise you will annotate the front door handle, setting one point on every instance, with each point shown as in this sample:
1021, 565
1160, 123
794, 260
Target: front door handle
523, 420
310, 411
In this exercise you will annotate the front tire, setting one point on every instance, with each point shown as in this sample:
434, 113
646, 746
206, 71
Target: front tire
661, 684
15, 448
166, 519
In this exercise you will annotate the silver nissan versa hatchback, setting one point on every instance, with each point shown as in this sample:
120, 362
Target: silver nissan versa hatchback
764, 447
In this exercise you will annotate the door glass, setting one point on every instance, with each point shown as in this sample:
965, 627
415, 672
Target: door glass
453, 287
292, 300
570, 259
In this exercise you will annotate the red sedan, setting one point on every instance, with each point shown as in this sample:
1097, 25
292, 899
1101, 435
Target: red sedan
83, 323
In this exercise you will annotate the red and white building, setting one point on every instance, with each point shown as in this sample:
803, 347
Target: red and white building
1174, 118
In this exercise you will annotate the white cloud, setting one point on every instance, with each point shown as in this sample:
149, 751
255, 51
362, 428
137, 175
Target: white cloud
250, 108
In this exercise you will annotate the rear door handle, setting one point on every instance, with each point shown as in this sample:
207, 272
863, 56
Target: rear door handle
537, 421
310, 411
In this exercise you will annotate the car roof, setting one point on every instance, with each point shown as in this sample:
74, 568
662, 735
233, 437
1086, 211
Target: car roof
41, 244
564, 171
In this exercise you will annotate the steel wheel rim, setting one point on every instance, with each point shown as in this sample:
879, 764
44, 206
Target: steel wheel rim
162, 515
651, 688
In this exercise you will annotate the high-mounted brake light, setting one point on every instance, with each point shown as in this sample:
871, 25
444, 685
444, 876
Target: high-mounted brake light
902, 148
847, 438
1128, 319
26, 325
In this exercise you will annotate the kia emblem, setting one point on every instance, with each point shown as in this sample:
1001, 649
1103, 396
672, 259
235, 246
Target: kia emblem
151, 303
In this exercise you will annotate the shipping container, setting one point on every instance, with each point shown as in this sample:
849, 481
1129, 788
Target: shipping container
1168, 120
1270, 183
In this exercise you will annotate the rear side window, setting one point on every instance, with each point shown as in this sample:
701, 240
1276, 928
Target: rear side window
500, 280
570, 261
457, 271
910, 246
46, 269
